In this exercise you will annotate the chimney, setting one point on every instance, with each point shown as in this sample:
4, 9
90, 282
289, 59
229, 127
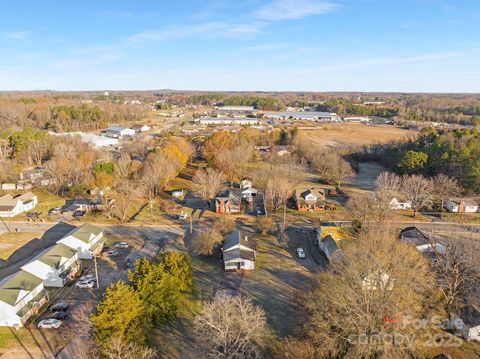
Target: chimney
246, 239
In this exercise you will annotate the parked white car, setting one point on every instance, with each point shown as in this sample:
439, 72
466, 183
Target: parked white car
85, 284
87, 277
122, 245
301, 253
50, 323
111, 253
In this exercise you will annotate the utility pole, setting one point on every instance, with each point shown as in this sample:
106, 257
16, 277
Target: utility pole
96, 271
191, 223
8, 229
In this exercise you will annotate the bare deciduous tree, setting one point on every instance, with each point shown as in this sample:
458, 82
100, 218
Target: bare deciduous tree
119, 349
445, 187
332, 168
278, 189
364, 207
379, 277
206, 241
231, 327
122, 166
419, 190
207, 183
125, 190
37, 150
457, 273
232, 161
387, 186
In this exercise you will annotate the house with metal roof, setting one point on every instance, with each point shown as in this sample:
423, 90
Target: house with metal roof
302, 115
21, 295
87, 240
229, 201
239, 252
117, 131
327, 245
55, 265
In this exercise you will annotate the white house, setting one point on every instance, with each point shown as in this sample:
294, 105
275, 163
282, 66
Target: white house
140, 128
87, 240
10, 206
461, 205
55, 265
396, 204
117, 131
21, 295
239, 252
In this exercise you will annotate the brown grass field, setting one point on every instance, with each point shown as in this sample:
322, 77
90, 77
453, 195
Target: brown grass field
355, 134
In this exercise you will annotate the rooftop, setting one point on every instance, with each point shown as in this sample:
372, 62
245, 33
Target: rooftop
235, 238
238, 253
10, 287
53, 255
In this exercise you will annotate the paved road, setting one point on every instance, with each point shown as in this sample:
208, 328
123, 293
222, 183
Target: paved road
25, 226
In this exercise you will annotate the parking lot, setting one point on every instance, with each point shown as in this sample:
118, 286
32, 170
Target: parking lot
112, 265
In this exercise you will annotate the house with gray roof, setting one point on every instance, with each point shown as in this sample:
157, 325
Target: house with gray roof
239, 251
229, 201
327, 245
11, 206
461, 205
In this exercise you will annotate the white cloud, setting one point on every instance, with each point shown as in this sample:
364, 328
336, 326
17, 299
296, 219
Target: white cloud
209, 28
294, 9
266, 47
16, 35
378, 61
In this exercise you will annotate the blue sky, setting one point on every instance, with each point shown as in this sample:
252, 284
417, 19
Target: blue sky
298, 45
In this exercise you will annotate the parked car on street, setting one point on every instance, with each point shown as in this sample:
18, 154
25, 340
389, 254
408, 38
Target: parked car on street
60, 315
86, 284
50, 323
55, 211
301, 253
87, 277
60, 307
111, 253
122, 245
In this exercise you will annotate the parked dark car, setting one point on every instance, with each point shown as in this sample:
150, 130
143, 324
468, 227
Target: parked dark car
61, 315
60, 307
